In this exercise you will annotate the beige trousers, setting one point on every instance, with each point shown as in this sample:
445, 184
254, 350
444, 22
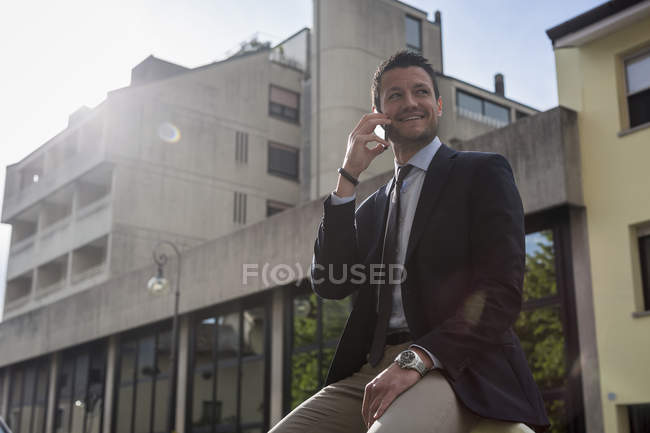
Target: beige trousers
428, 406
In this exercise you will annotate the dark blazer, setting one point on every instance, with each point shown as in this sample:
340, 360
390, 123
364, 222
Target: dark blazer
463, 288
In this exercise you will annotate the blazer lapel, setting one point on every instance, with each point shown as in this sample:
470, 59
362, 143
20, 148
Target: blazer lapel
434, 182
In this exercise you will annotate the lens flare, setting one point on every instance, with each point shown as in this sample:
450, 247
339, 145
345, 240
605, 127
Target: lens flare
169, 133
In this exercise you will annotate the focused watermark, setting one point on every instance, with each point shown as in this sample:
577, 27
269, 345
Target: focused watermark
283, 273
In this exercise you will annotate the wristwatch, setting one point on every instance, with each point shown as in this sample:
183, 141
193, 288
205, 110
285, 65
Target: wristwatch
410, 359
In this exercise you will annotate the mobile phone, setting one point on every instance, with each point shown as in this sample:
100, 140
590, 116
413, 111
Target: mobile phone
380, 130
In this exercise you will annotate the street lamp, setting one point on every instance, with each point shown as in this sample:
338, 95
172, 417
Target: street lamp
160, 284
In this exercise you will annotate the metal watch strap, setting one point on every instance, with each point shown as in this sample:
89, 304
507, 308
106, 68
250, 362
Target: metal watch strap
353, 180
418, 365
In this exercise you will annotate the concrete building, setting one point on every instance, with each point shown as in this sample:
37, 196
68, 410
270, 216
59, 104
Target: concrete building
205, 158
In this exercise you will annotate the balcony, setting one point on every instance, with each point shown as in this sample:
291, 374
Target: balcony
56, 164
18, 291
23, 240
51, 276
68, 273
70, 217
89, 260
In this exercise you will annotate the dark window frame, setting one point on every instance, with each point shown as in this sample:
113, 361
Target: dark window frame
138, 334
520, 115
283, 110
483, 101
285, 147
645, 52
292, 292
274, 204
644, 257
263, 300
419, 21
638, 413
74, 354
557, 220
36, 365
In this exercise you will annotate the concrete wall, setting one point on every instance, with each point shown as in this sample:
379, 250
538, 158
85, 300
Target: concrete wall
544, 155
183, 187
615, 178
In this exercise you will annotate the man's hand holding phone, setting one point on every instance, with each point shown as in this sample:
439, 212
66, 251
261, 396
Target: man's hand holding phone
359, 155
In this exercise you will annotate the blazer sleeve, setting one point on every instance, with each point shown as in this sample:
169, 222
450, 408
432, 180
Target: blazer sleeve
497, 255
335, 251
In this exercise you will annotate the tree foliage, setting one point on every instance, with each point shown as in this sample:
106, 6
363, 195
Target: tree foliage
540, 330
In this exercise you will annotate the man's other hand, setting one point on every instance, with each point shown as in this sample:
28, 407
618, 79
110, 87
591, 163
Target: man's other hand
384, 389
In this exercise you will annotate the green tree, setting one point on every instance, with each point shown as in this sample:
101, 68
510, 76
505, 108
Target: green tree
540, 330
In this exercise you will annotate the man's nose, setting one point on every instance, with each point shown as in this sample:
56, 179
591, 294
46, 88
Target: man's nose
409, 100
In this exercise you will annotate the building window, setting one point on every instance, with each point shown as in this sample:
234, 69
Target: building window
481, 109
644, 255
546, 325
639, 415
520, 115
283, 160
284, 104
142, 383
315, 326
239, 210
28, 389
80, 390
273, 207
241, 147
637, 77
228, 379
413, 33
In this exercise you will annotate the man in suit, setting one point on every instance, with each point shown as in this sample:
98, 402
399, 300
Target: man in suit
433, 349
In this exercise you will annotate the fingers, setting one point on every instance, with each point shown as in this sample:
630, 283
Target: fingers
369, 121
365, 406
377, 150
383, 405
369, 138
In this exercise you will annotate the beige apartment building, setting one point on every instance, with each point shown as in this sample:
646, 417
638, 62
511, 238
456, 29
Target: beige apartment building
230, 161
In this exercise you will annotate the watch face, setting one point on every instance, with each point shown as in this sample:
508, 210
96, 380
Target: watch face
407, 357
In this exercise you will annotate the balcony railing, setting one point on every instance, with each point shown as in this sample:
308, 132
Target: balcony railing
17, 303
44, 291
88, 273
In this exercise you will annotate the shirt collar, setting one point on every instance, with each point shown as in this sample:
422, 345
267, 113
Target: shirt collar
423, 157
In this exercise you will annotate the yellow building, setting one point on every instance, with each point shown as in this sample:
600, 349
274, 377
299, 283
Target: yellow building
603, 73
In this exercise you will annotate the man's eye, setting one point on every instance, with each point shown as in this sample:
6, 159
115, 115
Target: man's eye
393, 95
423, 92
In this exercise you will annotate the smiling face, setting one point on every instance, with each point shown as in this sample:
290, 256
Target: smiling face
408, 99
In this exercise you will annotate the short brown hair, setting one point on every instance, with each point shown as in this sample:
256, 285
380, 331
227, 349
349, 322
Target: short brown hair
401, 59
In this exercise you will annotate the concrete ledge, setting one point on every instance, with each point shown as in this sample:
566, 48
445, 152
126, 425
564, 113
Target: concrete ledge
544, 153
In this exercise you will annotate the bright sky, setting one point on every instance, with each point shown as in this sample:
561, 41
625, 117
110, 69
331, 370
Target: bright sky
58, 56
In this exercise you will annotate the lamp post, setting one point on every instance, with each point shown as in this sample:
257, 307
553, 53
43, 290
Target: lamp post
160, 284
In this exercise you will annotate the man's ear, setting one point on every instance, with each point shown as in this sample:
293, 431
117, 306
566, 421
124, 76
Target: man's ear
375, 109
439, 105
